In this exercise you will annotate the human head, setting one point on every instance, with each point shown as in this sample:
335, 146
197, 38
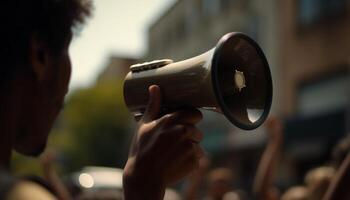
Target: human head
296, 193
35, 66
171, 194
318, 181
340, 151
219, 182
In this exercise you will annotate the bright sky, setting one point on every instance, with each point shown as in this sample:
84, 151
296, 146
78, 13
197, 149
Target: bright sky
117, 27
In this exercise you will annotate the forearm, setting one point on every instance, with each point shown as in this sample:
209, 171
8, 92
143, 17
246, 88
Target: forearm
191, 192
264, 177
141, 184
136, 188
339, 188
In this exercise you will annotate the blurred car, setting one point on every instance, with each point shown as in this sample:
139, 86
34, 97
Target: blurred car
94, 177
99, 182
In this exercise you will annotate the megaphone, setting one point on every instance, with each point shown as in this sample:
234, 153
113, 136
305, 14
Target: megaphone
233, 78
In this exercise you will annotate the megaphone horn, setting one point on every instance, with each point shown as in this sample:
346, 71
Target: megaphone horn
233, 78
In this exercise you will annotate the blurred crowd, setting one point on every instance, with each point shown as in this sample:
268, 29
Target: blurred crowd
35, 73
325, 182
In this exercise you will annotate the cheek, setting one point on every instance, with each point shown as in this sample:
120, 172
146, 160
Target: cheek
68, 71
60, 81
65, 74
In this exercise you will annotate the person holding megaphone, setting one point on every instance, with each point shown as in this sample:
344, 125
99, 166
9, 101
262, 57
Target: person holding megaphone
233, 79
35, 73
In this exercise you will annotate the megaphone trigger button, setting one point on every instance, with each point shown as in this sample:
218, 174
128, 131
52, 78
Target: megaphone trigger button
150, 65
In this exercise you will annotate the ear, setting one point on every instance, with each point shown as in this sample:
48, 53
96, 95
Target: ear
39, 58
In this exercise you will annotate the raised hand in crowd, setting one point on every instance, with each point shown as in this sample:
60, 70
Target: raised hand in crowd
264, 188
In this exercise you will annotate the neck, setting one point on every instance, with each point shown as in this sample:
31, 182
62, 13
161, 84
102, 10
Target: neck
8, 124
5, 156
5, 139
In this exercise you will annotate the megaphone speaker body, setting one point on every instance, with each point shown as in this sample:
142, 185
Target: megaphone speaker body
233, 78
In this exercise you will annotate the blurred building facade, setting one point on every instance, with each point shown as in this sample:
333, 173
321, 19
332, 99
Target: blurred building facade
192, 27
314, 55
307, 45
117, 67
314, 64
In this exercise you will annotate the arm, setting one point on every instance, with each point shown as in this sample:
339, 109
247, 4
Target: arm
339, 187
194, 181
163, 151
263, 183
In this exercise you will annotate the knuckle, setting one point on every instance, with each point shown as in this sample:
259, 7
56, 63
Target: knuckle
164, 120
199, 151
182, 128
200, 134
179, 130
194, 134
168, 117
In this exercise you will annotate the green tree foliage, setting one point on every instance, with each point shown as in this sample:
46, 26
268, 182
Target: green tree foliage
94, 128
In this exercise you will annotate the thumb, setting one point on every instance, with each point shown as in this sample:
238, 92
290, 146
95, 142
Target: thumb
154, 104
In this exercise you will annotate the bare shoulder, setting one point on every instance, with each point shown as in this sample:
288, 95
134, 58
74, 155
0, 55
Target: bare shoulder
26, 190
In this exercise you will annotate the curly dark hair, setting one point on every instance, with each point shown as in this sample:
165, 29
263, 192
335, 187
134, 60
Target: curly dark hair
50, 20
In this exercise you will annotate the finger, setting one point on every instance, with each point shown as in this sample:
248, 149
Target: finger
192, 156
192, 133
187, 116
181, 132
186, 149
191, 149
199, 151
154, 104
185, 160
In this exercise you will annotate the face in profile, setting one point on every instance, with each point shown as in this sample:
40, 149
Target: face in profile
42, 98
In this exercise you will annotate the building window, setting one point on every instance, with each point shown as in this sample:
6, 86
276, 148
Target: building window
211, 7
313, 11
180, 29
192, 18
226, 3
325, 95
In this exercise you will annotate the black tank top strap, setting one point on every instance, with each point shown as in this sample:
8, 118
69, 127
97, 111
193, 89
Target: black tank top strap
7, 182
